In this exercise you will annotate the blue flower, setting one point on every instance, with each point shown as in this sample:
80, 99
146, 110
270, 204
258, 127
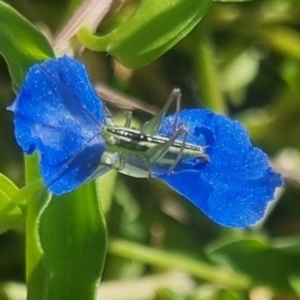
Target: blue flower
235, 186
58, 113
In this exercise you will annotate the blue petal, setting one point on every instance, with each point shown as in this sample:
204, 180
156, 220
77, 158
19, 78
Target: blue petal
58, 113
234, 188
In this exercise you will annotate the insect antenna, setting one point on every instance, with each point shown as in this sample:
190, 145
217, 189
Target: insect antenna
122, 101
74, 156
68, 91
76, 101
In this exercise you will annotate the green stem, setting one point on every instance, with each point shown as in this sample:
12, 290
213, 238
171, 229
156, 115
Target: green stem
164, 259
207, 73
92, 42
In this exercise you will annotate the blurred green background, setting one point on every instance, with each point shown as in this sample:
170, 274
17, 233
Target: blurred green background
254, 49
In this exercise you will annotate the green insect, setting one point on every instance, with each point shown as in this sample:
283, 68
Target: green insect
134, 151
144, 144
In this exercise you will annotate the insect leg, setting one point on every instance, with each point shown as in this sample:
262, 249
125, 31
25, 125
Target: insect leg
119, 164
108, 116
182, 131
115, 160
157, 152
151, 127
128, 119
178, 103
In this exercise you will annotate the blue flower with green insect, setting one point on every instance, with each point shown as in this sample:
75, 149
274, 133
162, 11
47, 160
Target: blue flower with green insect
205, 157
57, 123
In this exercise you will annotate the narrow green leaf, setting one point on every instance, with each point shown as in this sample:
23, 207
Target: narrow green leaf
66, 242
153, 29
66, 245
164, 259
7, 185
282, 39
37, 272
21, 44
72, 233
10, 213
207, 73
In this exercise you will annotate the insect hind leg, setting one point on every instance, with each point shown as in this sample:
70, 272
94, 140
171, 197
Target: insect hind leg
128, 119
151, 127
157, 152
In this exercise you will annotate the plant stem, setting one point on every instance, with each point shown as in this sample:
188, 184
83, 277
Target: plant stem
165, 259
207, 73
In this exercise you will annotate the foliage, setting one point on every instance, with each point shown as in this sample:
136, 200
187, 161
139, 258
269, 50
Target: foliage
239, 58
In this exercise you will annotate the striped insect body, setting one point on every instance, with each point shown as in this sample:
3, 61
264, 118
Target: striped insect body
131, 142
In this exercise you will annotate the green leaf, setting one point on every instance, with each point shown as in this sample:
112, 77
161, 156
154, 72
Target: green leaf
264, 263
7, 186
37, 272
70, 240
10, 213
73, 236
21, 44
66, 242
154, 28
